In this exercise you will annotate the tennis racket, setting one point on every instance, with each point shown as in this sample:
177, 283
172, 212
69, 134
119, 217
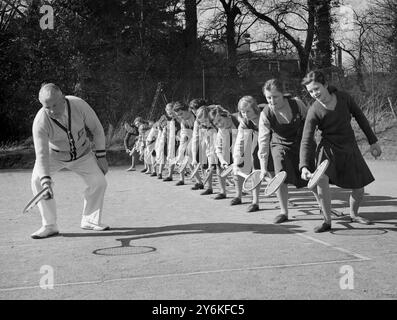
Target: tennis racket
274, 184
317, 175
35, 200
226, 171
195, 171
183, 165
252, 180
208, 175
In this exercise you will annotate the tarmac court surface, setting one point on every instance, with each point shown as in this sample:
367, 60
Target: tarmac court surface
170, 242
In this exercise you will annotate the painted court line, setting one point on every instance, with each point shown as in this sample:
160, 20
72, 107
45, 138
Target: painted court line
356, 255
195, 273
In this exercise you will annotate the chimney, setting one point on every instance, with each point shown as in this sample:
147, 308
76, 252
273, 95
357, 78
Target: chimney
274, 42
340, 57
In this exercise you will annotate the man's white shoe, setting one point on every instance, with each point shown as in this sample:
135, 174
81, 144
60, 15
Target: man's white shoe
45, 232
95, 227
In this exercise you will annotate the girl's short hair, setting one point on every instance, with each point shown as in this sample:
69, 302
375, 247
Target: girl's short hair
202, 112
178, 106
273, 84
218, 111
138, 119
250, 101
162, 121
316, 76
195, 104
170, 104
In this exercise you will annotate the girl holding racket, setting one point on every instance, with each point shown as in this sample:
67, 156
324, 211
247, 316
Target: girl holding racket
203, 147
331, 113
143, 130
131, 148
280, 126
150, 153
227, 125
187, 122
245, 152
172, 131
161, 145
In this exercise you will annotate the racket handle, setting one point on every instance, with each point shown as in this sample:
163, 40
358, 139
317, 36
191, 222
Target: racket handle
242, 174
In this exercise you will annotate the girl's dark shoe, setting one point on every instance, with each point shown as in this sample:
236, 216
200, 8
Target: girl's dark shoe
220, 196
253, 207
206, 192
198, 186
280, 218
235, 201
323, 228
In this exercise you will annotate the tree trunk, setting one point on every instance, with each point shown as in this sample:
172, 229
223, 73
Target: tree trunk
191, 43
231, 45
323, 55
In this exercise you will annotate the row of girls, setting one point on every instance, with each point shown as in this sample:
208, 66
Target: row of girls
272, 137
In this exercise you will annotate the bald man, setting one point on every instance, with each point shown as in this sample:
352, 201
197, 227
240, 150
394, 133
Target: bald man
60, 141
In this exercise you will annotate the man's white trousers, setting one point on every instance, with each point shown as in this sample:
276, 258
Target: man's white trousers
87, 168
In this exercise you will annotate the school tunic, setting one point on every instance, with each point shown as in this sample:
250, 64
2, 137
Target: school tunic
161, 146
203, 144
185, 147
173, 127
143, 132
284, 138
245, 152
150, 144
225, 140
347, 168
132, 133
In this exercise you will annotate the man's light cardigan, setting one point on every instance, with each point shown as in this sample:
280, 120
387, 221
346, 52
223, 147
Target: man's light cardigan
56, 140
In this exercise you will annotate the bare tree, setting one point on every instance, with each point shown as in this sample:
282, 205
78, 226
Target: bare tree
280, 14
358, 46
323, 52
9, 10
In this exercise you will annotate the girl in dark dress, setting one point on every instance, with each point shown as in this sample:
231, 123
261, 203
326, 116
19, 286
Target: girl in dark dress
280, 126
331, 113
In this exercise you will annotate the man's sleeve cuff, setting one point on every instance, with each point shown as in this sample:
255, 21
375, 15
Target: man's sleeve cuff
100, 153
45, 179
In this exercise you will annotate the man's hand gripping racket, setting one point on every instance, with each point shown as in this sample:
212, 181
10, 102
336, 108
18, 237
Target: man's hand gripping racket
45, 194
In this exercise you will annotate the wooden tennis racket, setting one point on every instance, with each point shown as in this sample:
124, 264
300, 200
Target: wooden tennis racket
228, 170
183, 165
252, 180
195, 171
274, 184
35, 200
318, 174
209, 171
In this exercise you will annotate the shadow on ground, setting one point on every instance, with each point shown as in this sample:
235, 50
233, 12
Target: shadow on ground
195, 228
